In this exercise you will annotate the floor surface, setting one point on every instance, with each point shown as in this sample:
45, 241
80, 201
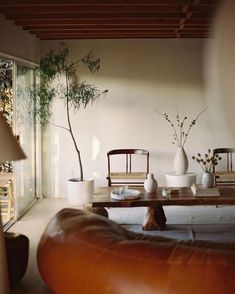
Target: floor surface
200, 222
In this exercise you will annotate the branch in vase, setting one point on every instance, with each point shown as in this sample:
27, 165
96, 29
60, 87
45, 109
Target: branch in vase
180, 136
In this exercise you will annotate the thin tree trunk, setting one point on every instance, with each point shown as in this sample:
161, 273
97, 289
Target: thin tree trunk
71, 130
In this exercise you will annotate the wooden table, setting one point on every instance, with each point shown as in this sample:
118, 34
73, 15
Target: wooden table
155, 218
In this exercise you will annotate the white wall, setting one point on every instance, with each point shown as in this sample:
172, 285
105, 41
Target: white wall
141, 75
17, 42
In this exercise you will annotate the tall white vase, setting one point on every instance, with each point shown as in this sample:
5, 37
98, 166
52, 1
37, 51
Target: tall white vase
180, 162
150, 184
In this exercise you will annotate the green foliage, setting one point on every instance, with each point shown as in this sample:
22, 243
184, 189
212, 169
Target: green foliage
6, 94
42, 97
57, 75
53, 68
80, 95
6, 67
6, 100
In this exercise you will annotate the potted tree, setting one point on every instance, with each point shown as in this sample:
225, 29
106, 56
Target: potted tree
58, 79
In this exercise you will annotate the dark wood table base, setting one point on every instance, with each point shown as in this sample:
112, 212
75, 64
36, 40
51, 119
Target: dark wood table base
155, 219
99, 210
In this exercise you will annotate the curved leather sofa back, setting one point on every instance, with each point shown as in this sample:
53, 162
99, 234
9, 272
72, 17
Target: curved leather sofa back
81, 252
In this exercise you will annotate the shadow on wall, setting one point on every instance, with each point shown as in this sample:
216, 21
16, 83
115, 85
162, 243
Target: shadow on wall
160, 60
220, 76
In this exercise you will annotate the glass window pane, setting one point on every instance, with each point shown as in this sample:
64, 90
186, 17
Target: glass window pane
25, 131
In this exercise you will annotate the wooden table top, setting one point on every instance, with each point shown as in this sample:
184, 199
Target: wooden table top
102, 198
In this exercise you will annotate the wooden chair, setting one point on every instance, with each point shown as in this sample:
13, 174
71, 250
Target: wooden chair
224, 173
130, 174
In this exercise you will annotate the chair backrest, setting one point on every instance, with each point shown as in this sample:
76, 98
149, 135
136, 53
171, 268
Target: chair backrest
129, 175
224, 173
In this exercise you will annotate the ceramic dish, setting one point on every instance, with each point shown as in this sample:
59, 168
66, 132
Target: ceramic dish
125, 194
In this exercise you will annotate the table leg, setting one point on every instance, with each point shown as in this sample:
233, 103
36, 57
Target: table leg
155, 219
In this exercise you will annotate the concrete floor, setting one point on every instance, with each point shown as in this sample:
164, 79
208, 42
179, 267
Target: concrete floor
201, 223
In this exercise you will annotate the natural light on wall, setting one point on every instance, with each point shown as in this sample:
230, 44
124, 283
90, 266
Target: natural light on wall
95, 153
95, 148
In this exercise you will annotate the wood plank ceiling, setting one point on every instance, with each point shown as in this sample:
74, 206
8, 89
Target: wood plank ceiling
112, 19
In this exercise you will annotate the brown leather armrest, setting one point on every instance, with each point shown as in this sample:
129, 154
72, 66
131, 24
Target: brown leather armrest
81, 252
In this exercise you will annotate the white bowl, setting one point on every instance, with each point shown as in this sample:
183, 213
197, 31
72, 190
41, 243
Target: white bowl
125, 194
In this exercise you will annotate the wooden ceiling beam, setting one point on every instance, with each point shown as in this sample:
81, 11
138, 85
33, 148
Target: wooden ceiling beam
197, 26
114, 33
44, 9
12, 3
112, 28
198, 21
94, 22
107, 36
121, 16
102, 27
92, 15
164, 36
81, 32
28, 9
58, 19
123, 36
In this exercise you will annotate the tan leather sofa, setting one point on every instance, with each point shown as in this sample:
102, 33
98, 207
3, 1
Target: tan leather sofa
81, 252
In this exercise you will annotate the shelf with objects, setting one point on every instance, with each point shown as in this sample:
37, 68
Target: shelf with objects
6, 196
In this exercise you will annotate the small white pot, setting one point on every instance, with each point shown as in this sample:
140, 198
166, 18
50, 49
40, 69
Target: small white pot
207, 180
80, 193
150, 184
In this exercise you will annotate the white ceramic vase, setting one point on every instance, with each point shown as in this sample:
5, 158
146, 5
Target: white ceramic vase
150, 184
80, 193
207, 180
180, 162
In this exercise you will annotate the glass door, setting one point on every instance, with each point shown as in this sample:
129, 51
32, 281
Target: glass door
25, 130
6, 168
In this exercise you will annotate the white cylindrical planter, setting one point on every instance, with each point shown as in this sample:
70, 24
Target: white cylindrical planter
207, 180
150, 184
180, 162
186, 180
80, 193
